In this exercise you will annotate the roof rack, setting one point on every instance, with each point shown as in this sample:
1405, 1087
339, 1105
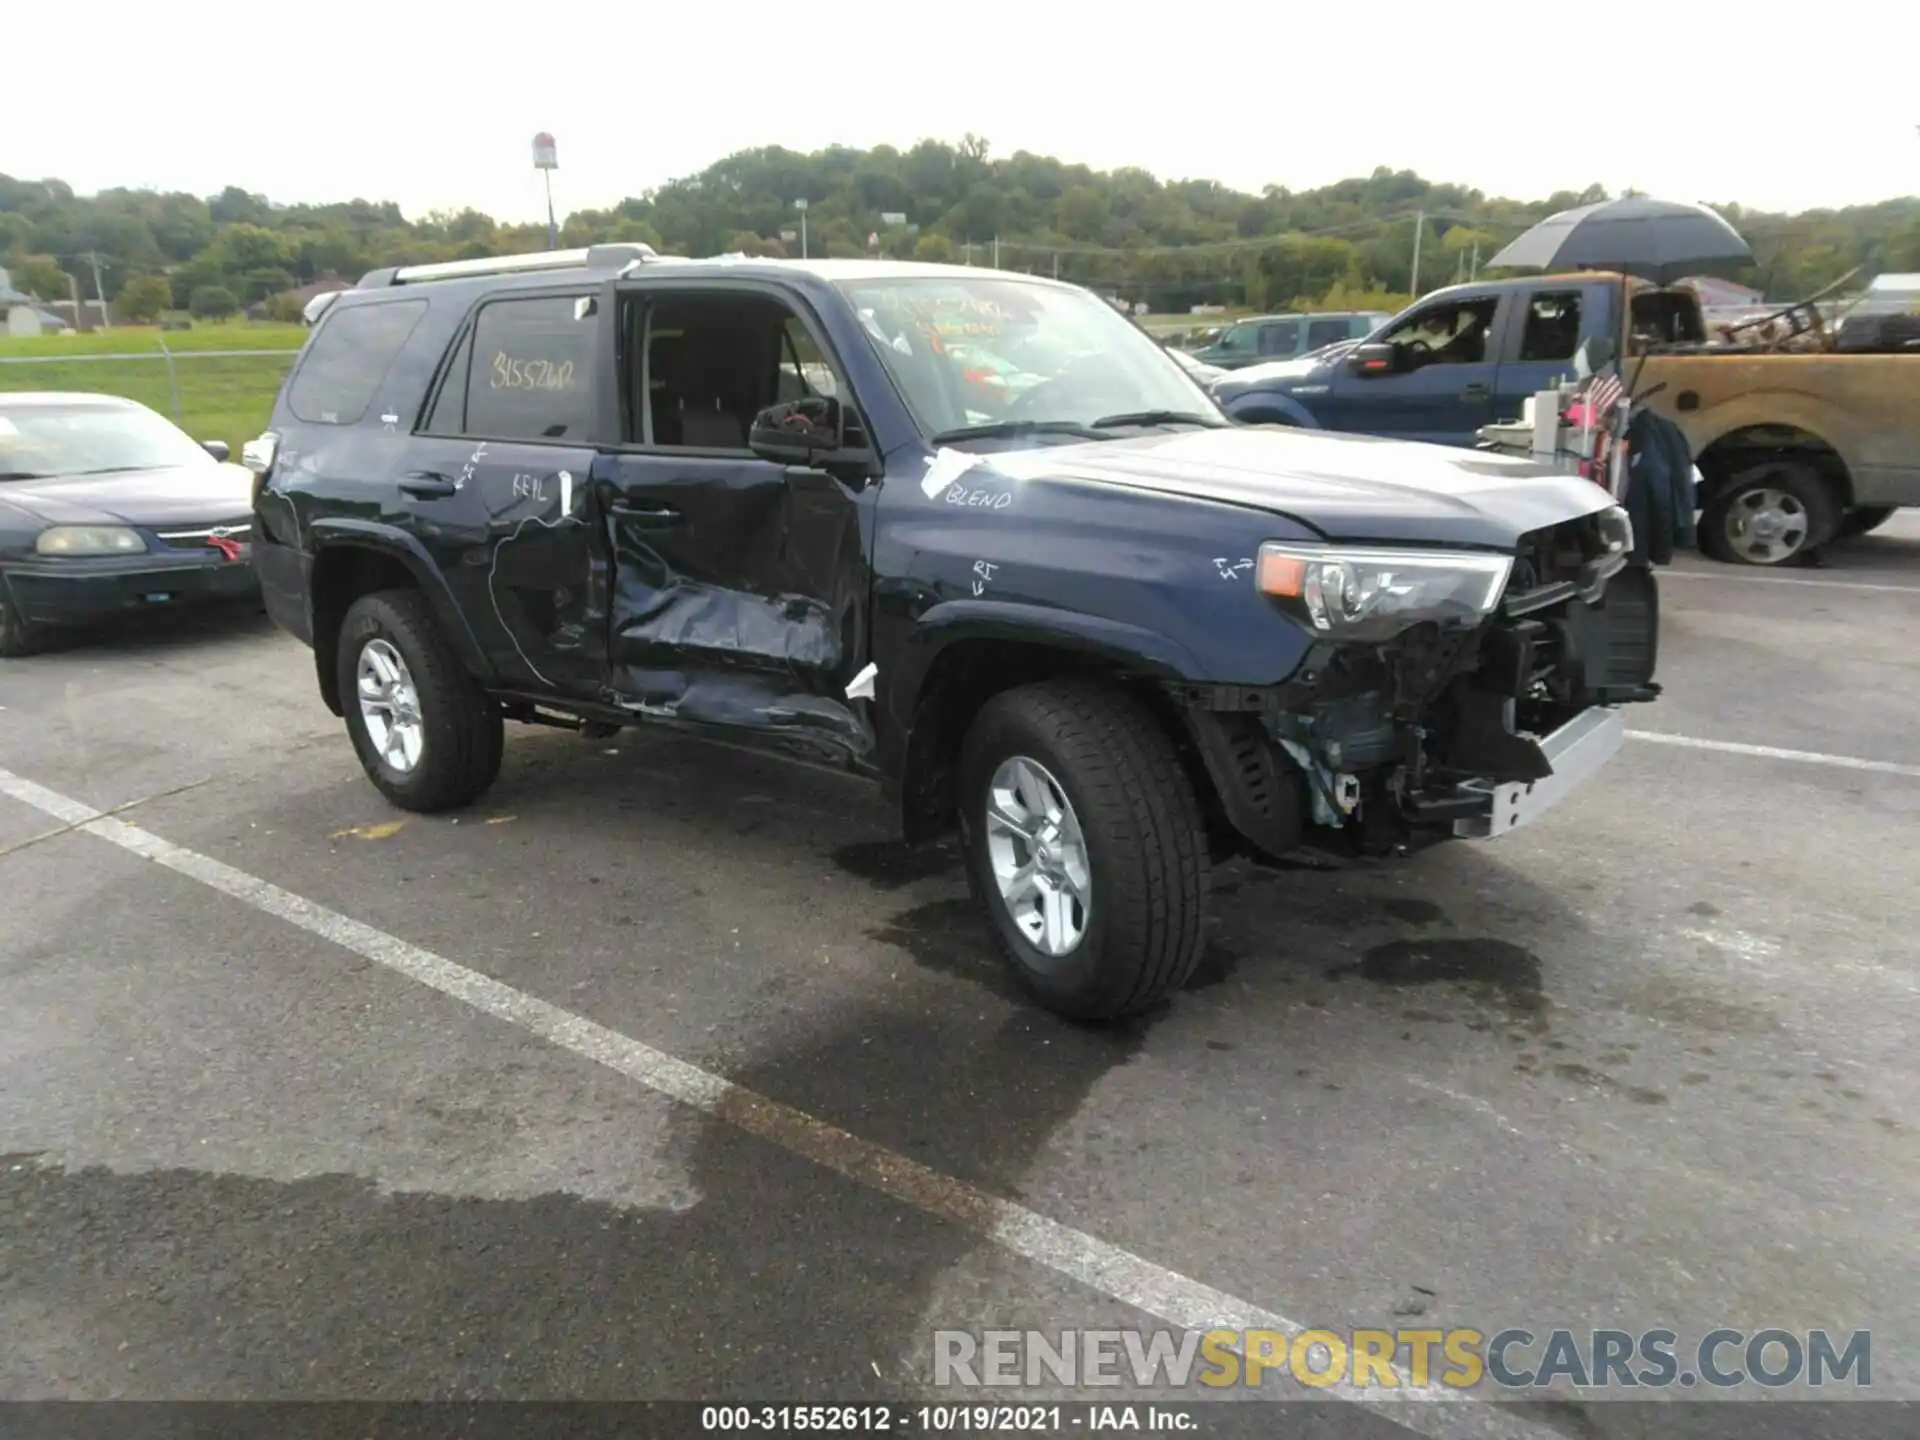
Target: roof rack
593, 257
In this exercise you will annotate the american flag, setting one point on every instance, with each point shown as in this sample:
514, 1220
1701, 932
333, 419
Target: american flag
1603, 393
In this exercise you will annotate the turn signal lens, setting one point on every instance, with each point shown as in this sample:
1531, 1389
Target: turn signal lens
1282, 574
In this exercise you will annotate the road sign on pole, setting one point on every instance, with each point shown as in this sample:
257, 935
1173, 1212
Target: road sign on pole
546, 159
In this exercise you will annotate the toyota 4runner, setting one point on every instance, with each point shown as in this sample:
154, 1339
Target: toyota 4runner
1108, 635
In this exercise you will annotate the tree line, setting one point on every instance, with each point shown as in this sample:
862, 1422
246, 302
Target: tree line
1170, 243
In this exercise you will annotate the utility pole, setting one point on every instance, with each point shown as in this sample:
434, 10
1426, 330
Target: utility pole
1419, 225
99, 290
1056, 264
801, 206
1476, 261
968, 247
996, 251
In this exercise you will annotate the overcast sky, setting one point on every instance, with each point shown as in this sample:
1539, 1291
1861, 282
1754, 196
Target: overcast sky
435, 106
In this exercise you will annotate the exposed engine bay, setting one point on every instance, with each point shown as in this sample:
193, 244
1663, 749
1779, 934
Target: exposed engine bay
1384, 749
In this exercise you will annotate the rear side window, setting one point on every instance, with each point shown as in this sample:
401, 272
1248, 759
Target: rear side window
1280, 340
1552, 330
529, 375
349, 359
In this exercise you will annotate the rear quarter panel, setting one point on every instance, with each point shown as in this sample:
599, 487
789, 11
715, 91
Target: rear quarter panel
1867, 407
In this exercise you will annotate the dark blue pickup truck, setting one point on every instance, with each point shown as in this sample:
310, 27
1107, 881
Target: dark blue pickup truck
1792, 449
1461, 358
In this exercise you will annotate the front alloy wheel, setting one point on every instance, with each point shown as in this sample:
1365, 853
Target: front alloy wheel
1039, 856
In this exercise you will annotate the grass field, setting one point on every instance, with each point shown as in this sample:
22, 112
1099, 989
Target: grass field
221, 397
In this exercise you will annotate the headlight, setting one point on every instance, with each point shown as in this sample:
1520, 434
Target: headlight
1616, 530
1372, 595
89, 540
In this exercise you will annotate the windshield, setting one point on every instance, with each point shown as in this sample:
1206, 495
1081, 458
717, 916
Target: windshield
969, 352
40, 442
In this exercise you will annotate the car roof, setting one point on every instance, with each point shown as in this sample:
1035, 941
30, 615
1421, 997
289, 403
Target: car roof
76, 399
602, 263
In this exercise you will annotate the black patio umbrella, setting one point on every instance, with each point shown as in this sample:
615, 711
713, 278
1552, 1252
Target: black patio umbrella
1657, 240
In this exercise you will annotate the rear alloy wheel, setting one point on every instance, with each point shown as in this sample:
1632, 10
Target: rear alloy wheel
427, 735
1772, 514
17, 637
1085, 845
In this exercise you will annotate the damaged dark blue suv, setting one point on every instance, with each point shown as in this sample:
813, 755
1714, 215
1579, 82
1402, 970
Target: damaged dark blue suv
971, 534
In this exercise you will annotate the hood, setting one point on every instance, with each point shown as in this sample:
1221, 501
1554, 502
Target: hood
1299, 368
187, 495
1346, 487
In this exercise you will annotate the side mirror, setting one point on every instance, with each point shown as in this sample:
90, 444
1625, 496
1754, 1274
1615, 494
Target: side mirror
216, 448
1594, 355
1377, 359
796, 432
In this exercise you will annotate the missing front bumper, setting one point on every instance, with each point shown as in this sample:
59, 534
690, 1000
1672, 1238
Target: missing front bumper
1576, 750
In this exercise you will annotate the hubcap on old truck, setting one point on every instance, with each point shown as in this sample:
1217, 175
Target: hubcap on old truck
1039, 856
1766, 526
390, 706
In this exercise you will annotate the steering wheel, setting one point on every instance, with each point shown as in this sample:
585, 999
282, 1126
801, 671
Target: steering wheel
1070, 377
1418, 350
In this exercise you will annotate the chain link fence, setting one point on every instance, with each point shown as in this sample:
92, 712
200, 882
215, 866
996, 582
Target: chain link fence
212, 394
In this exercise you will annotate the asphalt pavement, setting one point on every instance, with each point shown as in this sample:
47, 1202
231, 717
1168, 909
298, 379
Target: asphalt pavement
662, 1073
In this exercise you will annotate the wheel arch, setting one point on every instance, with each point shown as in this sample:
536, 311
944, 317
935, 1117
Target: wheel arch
1740, 448
1268, 407
964, 653
354, 558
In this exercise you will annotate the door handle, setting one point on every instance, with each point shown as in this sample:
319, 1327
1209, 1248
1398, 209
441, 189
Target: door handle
651, 514
427, 485
1477, 390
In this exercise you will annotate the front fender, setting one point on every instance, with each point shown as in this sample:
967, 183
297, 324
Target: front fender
1269, 402
1116, 643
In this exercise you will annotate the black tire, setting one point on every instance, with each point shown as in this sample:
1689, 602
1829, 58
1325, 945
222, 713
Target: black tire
1864, 519
1146, 844
1794, 479
464, 734
17, 637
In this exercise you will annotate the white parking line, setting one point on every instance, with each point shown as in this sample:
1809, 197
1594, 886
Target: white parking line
1111, 1271
1780, 583
1773, 752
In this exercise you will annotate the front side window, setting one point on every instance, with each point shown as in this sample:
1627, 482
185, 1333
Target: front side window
529, 373
971, 351
348, 359
804, 371
1237, 340
700, 367
40, 442
1454, 333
